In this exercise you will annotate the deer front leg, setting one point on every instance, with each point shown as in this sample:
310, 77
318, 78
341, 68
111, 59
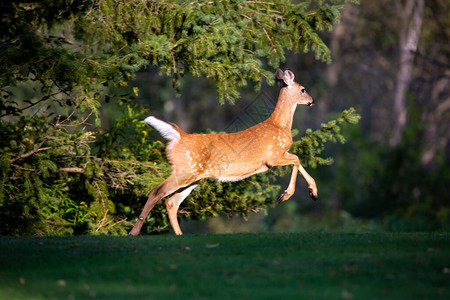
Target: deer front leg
291, 187
312, 187
288, 159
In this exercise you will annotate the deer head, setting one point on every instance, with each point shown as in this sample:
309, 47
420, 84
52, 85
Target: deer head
296, 91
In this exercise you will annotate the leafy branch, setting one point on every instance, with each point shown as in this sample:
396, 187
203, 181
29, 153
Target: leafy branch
58, 124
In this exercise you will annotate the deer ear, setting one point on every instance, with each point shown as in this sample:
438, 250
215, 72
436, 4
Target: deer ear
279, 75
288, 77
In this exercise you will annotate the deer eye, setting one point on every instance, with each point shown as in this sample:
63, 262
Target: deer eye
303, 91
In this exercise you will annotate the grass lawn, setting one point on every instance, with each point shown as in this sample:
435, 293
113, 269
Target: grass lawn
234, 266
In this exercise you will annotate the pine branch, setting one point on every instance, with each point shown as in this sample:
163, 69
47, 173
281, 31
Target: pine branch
39, 148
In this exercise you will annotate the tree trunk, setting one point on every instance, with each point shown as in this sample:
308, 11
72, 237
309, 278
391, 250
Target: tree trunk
411, 15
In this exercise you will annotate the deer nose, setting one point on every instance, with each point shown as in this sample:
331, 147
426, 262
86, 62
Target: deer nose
312, 102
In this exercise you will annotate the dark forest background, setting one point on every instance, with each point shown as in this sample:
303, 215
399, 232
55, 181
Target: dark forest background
77, 159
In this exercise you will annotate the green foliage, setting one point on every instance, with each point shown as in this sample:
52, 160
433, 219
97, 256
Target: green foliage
83, 46
61, 172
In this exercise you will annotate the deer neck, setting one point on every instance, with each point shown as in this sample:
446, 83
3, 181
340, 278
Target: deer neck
283, 113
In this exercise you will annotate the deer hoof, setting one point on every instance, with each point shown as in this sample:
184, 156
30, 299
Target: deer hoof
312, 195
281, 198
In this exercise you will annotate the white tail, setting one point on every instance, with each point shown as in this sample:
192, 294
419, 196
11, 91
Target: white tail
167, 130
230, 156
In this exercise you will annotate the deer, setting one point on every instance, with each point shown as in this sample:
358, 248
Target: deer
229, 156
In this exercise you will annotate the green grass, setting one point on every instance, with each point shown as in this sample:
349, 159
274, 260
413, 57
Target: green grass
237, 266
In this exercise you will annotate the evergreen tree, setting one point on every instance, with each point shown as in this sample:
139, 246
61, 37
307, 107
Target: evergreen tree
60, 59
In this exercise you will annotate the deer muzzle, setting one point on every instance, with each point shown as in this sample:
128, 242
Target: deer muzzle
311, 103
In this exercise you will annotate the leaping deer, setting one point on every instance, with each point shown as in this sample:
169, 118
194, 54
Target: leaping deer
230, 156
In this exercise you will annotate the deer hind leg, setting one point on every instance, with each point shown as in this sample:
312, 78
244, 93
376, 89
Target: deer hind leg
291, 159
172, 205
167, 187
